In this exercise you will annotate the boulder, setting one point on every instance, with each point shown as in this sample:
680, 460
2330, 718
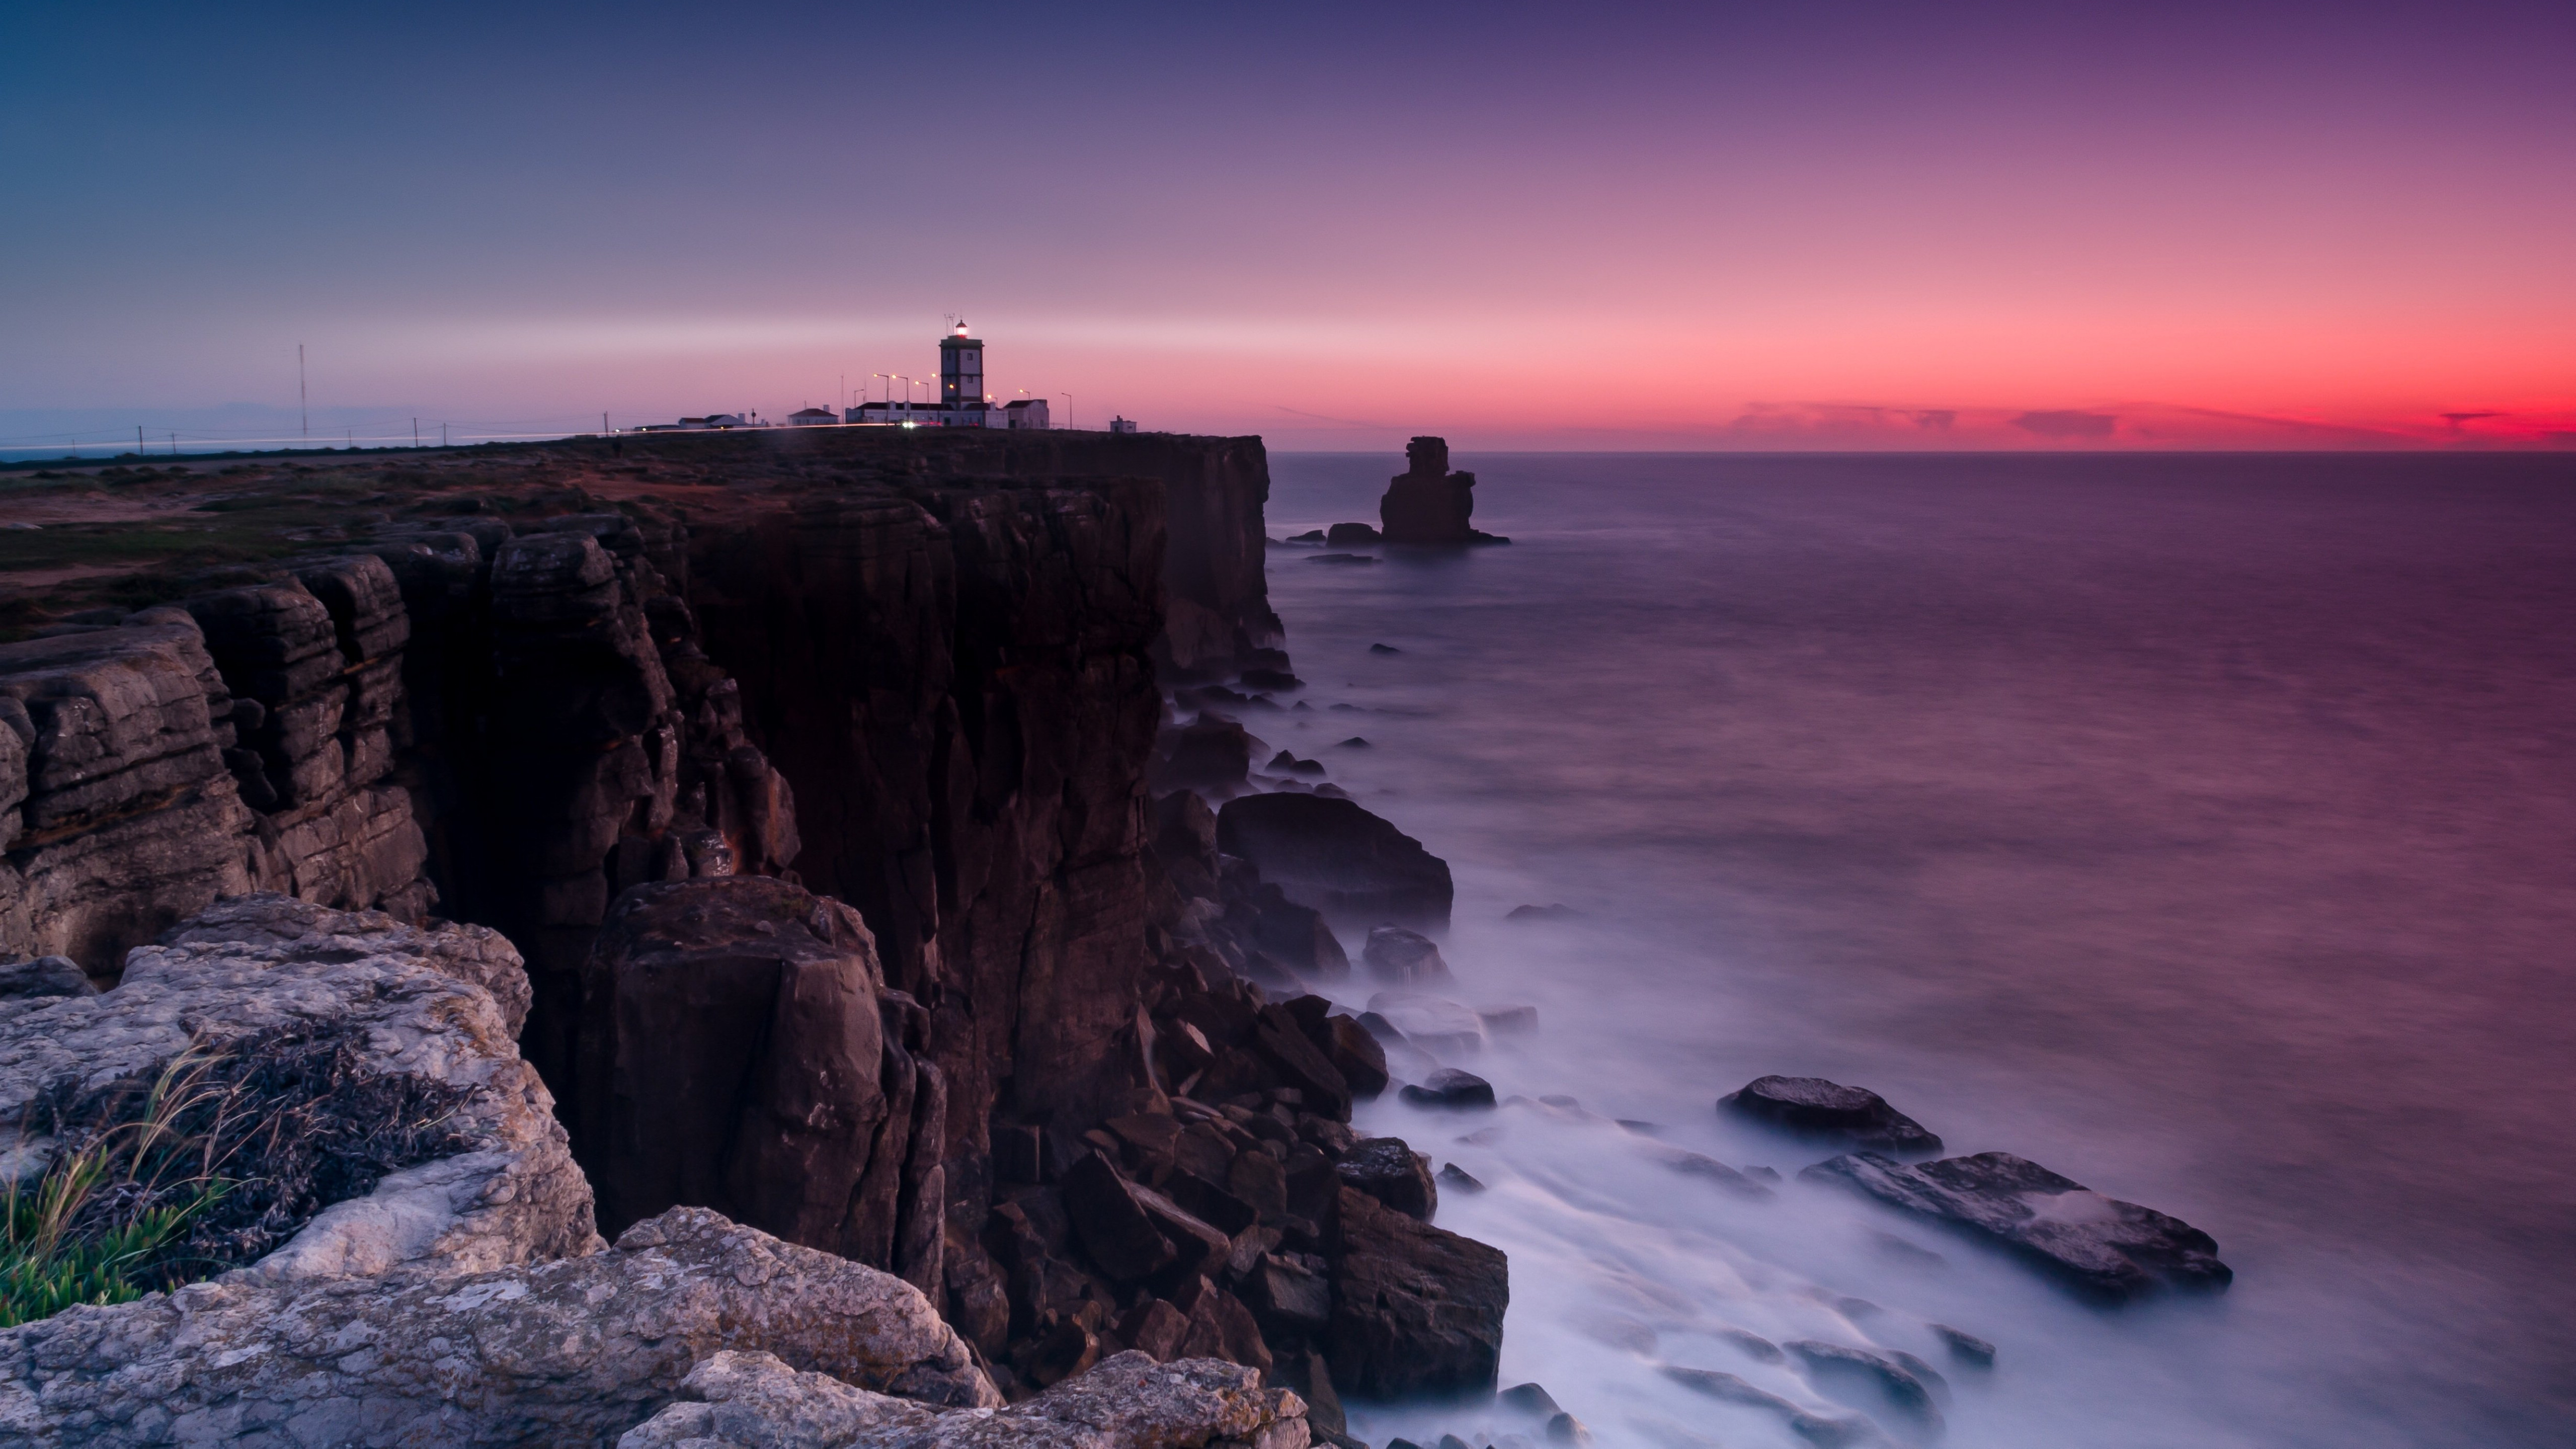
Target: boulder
1111, 1221
1212, 755
263, 971
1350, 535
1416, 1310
1404, 958
1829, 1112
2107, 1249
1433, 1023
1338, 858
733, 1056
1451, 1088
1459, 1179
738, 1400
1393, 1173
575, 1351
1354, 1053
1964, 1346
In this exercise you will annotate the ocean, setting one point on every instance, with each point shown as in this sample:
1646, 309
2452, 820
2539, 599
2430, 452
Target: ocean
2201, 827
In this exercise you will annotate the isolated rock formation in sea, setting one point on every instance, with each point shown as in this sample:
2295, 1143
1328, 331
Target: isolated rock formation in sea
1426, 503
2101, 1246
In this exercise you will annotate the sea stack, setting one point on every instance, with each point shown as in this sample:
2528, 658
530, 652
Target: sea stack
1429, 504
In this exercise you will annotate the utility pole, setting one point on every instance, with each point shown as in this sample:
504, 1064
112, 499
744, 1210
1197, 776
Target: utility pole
442, 435
303, 405
138, 440
603, 423
415, 432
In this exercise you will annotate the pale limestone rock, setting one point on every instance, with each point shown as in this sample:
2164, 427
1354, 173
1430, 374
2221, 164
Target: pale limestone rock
754, 1401
572, 1352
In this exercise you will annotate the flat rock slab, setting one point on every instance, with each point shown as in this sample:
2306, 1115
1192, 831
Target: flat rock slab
2101, 1246
571, 1352
1830, 1112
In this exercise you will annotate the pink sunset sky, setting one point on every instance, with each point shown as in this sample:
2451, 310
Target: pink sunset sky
1651, 227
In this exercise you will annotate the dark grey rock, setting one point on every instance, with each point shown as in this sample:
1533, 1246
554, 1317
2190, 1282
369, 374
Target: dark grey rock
1873, 1382
1416, 1310
1404, 958
1459, 1179
1393, 1173
1452, 1088
1827, 1111
1964, 1346
2100, 1246
1338, 858
45, 976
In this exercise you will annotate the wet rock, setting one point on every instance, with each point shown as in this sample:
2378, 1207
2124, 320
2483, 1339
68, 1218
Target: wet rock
1416, 1310
1825, 1432
1566, 1429
1355, 742
1875, 1382
1755, 1346
2101, 1246
1543, 913
1384, 649
1815, 1108
1338, 858
1964, 1346
1529, 1399
1284, 763
1459, 1179
1288, 1297
1509, 1020
1393, 1173
1404, 958
1354, 1053
1451, 1088
1350, 535
1695, 1165
1432, 1023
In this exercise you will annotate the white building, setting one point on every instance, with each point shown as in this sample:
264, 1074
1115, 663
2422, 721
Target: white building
963, 403
811, 418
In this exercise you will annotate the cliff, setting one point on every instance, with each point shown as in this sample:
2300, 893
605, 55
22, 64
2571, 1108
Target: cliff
809, 776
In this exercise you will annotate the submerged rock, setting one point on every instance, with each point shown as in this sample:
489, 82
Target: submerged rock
1827, 1111
1879, 1383
2099, 1245
1404, 958
1964, 1346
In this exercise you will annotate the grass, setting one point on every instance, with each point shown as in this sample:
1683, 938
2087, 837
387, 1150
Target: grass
99, 1225
217, 1161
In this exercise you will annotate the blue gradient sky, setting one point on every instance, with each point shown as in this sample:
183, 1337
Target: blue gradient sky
1825, 225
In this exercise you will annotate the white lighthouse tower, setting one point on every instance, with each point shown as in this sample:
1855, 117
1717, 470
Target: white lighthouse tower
961, 379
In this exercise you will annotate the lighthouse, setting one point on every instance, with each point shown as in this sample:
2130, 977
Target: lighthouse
961, 377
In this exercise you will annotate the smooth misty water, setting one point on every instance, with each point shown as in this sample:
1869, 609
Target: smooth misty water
2202, 828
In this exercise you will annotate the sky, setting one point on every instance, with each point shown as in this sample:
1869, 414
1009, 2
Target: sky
1588, 227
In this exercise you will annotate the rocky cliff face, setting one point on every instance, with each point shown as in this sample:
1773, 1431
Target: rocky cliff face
808, 776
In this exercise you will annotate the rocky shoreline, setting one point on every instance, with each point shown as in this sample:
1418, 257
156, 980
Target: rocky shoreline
833, 868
